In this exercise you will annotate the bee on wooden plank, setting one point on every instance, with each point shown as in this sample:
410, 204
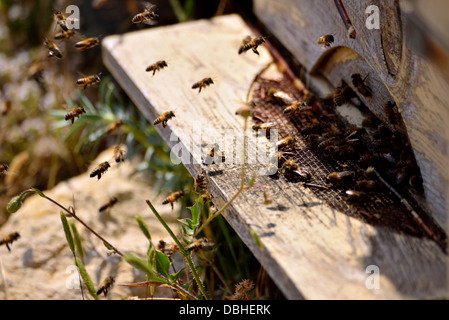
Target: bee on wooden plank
356, 196
9, 239
53, 49
264, 126
172, 198
87, 43
106, 285
392, 116
359, 83
290, 168
164, 118
158, 65
326, 40
200, 182
202, 83
148, 16
286, 142
89, 81
251, 43
100, 169
109, 204
279, 96
74, 113
338, 178
368, 185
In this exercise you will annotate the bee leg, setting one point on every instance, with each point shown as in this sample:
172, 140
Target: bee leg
84, 87
7, 246
255, 51
164, 124
172, 205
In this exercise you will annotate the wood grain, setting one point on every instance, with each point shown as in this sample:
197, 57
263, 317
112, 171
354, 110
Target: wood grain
398, 62
309, 249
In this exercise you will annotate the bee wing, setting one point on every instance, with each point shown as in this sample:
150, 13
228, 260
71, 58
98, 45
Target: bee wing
150, 22
149, 6
246, 40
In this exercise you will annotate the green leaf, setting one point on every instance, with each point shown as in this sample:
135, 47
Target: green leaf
162, 263
196, 211
107, 246
86, 279
38, 192
251, 182
143, 227
77, 238
175, 276
68, 233
142, 265
256, 238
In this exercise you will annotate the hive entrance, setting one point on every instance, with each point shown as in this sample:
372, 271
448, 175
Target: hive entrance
311, 128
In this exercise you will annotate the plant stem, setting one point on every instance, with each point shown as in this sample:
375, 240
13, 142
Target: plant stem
183, 250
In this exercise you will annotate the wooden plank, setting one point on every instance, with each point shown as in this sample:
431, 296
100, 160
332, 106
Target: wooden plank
309, 249
418, 84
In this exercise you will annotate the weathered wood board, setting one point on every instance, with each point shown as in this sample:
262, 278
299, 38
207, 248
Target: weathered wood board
310, 250
397, 71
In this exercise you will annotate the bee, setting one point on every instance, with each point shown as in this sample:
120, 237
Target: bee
106, 285
87, 43
392, 116
3, 168
359, 83
288, 141
376, 158
290, 167
339, 97
100, 169
167, 248
164, 118
200, 182
173, 197
65, 35
148, 16
202, 84
114, 126
280, 97
314, 139
251, 43
328, 142
281, 156
211, 155
199, 244
206, 197
338, 178
156, 66
75, 113
53, 49
356, 196
298, 106
326, 40
264, 126
416, 183
9, 239
89, 80
61, 20
111, 202
367, 185
119, 154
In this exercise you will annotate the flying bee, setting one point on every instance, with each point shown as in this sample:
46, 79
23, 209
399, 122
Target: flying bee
9, 239
280, 97
202, 83
167, 248
367, 185
87, 43
356, 196
119, 154
164, 118
264, 126
251, 43
200, 182
106, 285
3, 168
114, 126
111, 202
148, 16
288, 141
65, 35
156, 66
298, 106
89, 81
173, 197
326, 40
53, 49
202, 243
61, 20
338, 178
100, 169
392, 116
74, 113
359, 83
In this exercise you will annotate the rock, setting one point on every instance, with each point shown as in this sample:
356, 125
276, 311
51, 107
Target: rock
41, 265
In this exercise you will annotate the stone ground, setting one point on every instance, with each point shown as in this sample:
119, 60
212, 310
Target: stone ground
40, 265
